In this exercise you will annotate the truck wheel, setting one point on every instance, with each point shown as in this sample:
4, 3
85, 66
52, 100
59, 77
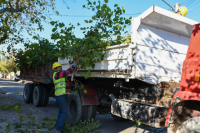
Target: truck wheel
190, 126
117, 118
74, 108
88, 112
92, 111
38, 96
45, 96
28, 93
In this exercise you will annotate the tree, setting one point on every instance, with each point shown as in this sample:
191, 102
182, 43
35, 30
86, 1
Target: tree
19, 16
88, 50
2, 63
121, 40
37, 53
2, 67
8, 65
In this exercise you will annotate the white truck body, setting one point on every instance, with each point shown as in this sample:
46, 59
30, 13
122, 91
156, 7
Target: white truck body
159, 43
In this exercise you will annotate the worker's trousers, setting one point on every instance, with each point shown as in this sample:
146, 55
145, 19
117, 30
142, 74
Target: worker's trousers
62, 116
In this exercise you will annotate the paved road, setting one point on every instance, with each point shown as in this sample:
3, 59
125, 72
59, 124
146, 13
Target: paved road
109, 125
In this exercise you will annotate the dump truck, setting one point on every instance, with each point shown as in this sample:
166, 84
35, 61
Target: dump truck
153, 80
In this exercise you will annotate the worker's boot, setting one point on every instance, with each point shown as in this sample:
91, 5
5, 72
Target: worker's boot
55, 131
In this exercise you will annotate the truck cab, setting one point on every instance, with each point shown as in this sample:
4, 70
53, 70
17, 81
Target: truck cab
184, 109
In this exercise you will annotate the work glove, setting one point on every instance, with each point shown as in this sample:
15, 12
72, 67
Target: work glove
75, 65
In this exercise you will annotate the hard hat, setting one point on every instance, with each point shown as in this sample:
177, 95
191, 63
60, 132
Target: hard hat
56, 64
183, 10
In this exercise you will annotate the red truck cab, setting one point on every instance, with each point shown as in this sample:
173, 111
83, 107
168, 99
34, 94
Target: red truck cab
185, 103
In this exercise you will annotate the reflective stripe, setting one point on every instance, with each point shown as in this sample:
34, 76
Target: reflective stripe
59, 82
63, 94
60, 88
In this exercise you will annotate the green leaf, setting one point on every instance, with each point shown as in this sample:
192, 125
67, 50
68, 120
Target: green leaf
57, 13
61, 25
52, 23
85, 91
115, 5
86, 21
90, 21
7, 127
54, 29
106, 1
123, 9
35, 37
82, 74
81, 87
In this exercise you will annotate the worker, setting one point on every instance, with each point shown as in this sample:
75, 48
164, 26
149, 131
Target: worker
62, 89
182, 11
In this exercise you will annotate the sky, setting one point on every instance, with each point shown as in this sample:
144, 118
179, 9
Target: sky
77, 14
133, 8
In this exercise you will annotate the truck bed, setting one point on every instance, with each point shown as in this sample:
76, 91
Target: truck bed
39, 74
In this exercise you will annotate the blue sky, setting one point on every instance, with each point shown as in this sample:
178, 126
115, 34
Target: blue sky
134, 8
76, 13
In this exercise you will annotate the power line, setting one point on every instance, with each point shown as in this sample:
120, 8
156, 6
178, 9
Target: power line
190, 3
194, 5
198, 7
184, 1
87, 15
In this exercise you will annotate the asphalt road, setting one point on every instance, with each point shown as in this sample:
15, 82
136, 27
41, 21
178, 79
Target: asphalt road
109, 125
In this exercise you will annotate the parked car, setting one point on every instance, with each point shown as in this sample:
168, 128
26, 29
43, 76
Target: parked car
17, 78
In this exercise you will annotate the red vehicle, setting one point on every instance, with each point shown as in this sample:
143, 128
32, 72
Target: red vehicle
184, 107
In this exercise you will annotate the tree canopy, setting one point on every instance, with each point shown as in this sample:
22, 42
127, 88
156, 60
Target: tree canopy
37, 53
19, 16
101, 28
8, 64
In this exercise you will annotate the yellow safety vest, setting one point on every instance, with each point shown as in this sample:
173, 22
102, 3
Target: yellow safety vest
60, 85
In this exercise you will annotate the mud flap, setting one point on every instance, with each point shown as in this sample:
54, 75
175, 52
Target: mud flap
88, 95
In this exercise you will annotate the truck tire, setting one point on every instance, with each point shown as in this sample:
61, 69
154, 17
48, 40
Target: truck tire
92, 111
45, 96
117, 118
88, 112
28, 93
192, 125
38, 96
84, 115
74, 107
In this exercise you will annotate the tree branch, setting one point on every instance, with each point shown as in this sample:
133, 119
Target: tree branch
5, 36
10, 4
18, 9
12, 9
17, 4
